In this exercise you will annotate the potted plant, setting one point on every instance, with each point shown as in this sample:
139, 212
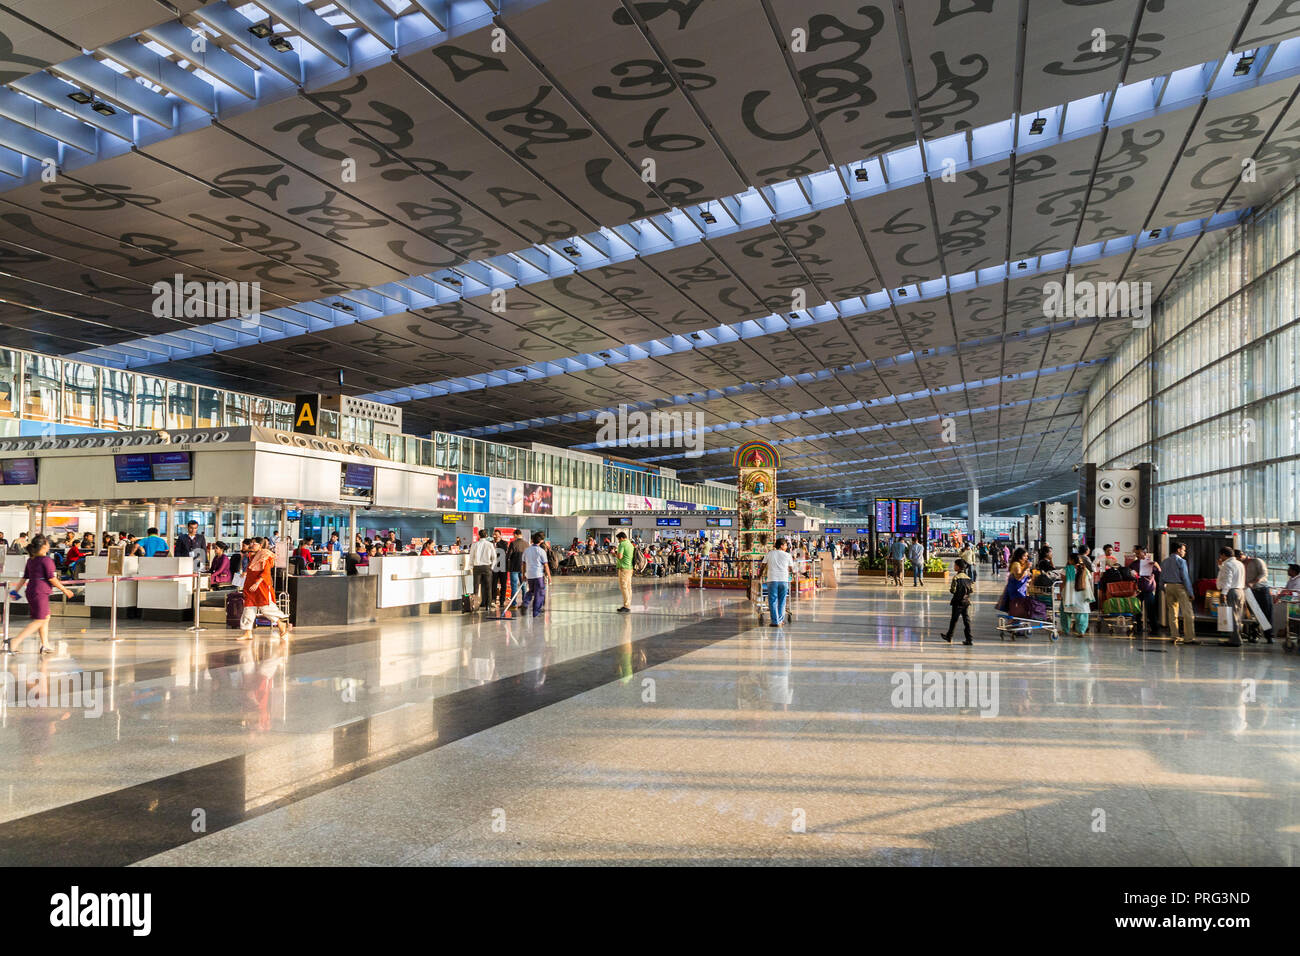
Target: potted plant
873, 565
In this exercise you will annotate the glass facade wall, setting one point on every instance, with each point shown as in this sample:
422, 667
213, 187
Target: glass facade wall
1210, 393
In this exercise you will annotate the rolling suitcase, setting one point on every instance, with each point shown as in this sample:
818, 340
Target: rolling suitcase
234, 608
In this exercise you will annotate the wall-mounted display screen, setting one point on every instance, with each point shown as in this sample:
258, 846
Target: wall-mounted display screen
834, 530
718, 522
668, 522
618, 521
863, 531
358, 481
447, 491
780, 522
18, 471
539, 499
154, 466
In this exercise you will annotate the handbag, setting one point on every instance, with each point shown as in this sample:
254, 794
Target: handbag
1225, 619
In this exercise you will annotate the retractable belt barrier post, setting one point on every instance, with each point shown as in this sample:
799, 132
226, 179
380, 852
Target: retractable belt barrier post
112, 601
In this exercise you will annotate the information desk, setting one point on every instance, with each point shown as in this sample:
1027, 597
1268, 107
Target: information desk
416, 580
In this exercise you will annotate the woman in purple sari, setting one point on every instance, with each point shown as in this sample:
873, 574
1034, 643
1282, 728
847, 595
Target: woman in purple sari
1015, 599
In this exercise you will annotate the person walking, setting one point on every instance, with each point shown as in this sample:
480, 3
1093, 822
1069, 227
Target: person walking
897, 555
1231, 582
776, 565
961, 587
538, 571
1178, 597
41, 578
482, 556
259, 591
624, 565
917, 556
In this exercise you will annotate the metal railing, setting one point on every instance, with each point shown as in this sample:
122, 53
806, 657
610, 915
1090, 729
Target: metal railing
197, 576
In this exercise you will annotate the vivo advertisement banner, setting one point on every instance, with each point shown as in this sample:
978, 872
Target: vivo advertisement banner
472, 493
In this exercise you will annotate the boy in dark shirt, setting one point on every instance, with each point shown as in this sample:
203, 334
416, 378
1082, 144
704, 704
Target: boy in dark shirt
961, 588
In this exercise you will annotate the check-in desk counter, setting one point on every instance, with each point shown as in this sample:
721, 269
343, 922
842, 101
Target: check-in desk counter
420, 584
101, 594
176, 594
332, 598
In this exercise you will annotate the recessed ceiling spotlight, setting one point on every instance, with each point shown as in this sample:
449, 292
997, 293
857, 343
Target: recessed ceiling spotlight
603, 355
696, 336
80, 97
1037, 126
902, 292
103, 109
1243, 65
451, 280
572, 251
1022, 265
280, 44
1153, 234
343, 306
860, 174
708, 217
261, 30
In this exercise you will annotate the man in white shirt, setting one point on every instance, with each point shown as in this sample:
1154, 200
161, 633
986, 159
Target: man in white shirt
776, 566
482, 556
1231, 583
537, 570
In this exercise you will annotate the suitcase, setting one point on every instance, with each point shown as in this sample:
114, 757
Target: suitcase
469, 603
234, 608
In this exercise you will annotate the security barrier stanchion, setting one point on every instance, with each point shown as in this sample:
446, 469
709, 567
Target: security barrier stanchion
198, 589
112, 611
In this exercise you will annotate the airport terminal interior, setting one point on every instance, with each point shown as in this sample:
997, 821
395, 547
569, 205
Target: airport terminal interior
627, 432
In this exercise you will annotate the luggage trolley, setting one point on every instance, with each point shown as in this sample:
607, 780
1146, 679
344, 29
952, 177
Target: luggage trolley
1012, 627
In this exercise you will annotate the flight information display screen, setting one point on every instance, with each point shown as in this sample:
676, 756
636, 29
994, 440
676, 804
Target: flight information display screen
18, 471
907, 516
884, 516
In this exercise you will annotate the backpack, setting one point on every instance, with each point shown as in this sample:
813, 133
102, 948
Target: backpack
639, 560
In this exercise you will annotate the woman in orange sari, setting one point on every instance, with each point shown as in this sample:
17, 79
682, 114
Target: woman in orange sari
259, 591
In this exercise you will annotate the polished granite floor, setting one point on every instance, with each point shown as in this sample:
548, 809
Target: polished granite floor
679, 733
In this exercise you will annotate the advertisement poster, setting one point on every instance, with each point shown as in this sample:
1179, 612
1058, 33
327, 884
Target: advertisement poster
507, 497
447, 492
472, 493
538, 499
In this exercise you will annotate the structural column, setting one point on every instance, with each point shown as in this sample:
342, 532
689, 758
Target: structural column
352, 529
973, 510
248, 519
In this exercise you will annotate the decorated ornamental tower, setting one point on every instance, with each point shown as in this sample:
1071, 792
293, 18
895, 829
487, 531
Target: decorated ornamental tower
757, 462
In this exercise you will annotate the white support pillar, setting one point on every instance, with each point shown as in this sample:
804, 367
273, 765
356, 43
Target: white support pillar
101, 521
352, 528
33, 521
218, 518
153, 515
248, 520
973, 511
